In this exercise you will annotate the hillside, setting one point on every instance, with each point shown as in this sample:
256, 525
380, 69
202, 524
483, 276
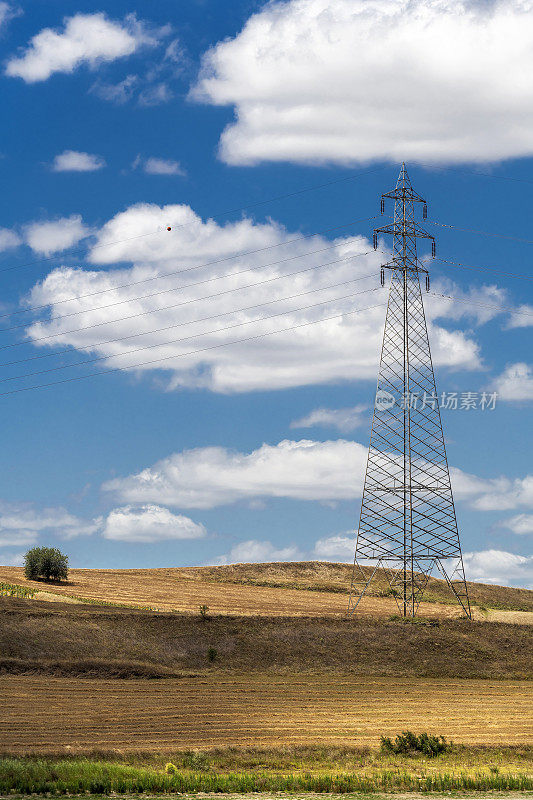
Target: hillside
76, 678
82, 639
276, 663
296, 589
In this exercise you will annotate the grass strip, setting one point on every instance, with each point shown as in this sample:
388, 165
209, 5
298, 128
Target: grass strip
14, 590
80, 776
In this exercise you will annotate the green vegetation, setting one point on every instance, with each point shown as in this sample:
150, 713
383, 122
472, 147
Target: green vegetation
409, 743
46, 563
204, 610
102, 777
13, 590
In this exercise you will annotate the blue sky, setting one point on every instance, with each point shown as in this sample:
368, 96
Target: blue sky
122, 119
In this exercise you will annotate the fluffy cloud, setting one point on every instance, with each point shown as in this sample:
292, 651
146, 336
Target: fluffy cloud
255, 551
161, 166
515, 382
500, 567
85, 39
20, 525
57, 235
300, 470
183, 322
340, 547
213, 476
8, 239
74, 161
522, 317
149, 523
345, 419
522, 524
349, 81
492, 494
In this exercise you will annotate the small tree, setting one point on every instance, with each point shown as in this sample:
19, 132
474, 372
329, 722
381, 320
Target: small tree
45, 562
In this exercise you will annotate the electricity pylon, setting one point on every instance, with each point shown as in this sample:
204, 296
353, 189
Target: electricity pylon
408, 526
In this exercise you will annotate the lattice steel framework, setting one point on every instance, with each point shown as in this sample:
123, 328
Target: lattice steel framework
408, 525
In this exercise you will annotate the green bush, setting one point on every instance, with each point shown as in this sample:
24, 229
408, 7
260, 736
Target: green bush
45, 562
407, 743
212, 654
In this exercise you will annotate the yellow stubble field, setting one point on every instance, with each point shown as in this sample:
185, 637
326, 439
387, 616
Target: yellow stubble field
43, 714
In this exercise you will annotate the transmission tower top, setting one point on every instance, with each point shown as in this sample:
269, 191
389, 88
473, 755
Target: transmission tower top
404, 228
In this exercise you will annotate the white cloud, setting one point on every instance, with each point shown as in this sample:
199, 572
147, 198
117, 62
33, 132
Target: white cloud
349, 81
492, 494
515, 382
213, 476
149, 523
340, 547
176, 316
57, 235
18, 538
255, 551
8, 239
7, 12
86, 39
345, 419
74, 161
12, 559
300, 470
161, 166
118, 93
500, 567
522, 317
522, 524
20, 524
155, 95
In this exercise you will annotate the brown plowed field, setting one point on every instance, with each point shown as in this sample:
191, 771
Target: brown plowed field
52, 714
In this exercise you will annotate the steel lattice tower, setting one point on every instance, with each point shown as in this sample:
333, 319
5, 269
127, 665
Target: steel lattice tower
408, 525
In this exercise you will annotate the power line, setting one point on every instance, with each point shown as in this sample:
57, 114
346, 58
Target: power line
485, 269
156, 310
192, 352
207, 333
502, 309
295, 193
181, 286
482, 233
199, 266
92, 346
472, 172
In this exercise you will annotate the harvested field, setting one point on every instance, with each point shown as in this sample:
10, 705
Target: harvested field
305, 589
54, 714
